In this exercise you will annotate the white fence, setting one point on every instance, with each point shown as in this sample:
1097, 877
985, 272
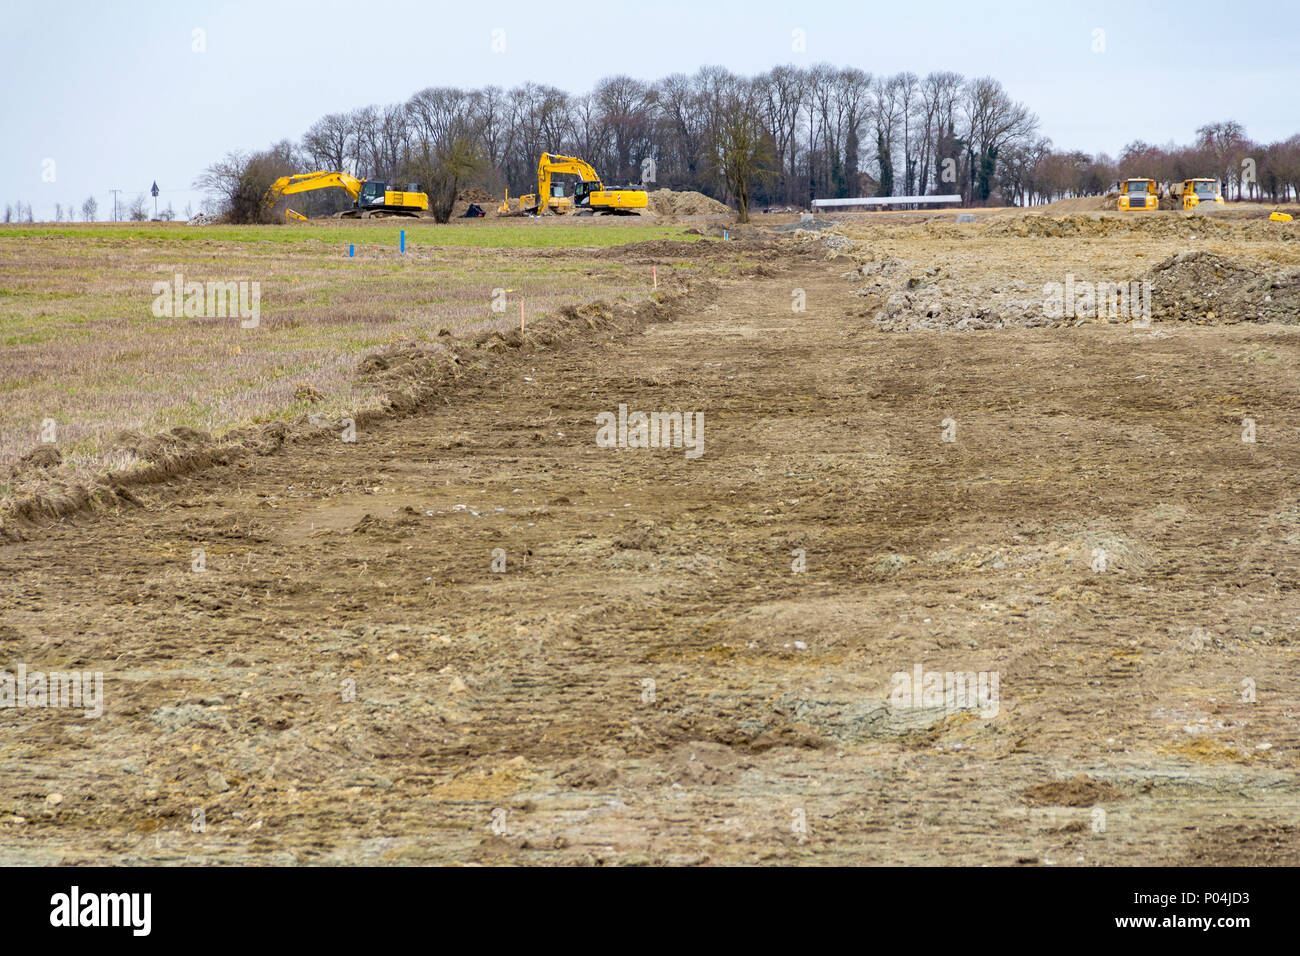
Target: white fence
886, 201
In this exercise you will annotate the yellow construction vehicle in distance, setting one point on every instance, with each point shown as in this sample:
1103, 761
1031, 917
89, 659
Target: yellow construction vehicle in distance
1197, 192
369, 197
589, 193
1137, 194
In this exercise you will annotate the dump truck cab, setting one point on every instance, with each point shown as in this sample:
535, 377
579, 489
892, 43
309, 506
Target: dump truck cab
1135, 194
1200, 192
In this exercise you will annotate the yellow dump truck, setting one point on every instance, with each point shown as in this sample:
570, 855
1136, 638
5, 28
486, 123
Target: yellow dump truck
1197, 192
1137, 194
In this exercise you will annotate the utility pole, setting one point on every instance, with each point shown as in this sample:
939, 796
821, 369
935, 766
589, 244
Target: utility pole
115, 192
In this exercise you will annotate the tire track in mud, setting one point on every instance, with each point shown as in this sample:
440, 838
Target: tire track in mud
648, 679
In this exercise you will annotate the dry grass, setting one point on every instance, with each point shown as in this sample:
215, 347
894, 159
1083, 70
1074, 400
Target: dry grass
83, 348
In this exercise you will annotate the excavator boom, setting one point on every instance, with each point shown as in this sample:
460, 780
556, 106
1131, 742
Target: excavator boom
302, 182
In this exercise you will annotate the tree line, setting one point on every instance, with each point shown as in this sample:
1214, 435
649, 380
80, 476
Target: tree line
137, 210
782, 137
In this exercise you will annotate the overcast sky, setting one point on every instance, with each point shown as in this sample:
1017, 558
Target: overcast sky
117, 96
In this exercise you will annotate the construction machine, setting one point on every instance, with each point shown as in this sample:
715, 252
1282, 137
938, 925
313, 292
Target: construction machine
369, 197
1196, 192
1137, 194
589, 195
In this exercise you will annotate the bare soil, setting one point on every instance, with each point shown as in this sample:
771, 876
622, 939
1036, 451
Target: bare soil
650, 680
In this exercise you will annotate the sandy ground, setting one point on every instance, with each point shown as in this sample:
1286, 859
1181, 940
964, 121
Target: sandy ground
650, 679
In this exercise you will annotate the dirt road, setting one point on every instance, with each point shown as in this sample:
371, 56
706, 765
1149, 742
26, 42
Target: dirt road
651, 679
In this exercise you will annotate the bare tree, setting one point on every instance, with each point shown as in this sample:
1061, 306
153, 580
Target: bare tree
742, 146
886, 112
237, 184
89, 209
908, 97
782, 91
326, 141
625, 106
992, 120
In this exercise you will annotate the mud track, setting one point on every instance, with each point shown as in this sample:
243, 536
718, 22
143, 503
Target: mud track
649, 679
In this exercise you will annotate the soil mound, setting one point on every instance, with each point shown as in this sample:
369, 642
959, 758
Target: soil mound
1104, 203
666, 202
1210, 289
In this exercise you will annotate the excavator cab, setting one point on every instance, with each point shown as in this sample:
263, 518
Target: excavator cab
372, 193
377, 197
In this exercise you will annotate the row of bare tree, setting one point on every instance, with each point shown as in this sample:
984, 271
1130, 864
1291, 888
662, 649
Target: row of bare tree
1247, 170
783, 137
135, 211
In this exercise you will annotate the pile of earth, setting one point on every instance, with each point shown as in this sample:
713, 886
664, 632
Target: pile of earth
666, 202
1210, 289
818, 238
478, 196
1052, 227
1183, 226
1104, 203
811, 224
879, 273
935, 300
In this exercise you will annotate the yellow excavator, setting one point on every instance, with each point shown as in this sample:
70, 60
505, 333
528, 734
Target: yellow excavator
369, 197
589, 194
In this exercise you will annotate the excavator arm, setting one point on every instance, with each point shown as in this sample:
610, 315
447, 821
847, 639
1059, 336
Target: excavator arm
302, 182
550, 164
